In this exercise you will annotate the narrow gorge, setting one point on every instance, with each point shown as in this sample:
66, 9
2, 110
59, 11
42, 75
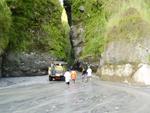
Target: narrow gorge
111, 36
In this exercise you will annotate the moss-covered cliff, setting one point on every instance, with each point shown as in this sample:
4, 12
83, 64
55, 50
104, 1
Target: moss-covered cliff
90, 15
37, 27
5, 23
108, 20
32, 34
118, 31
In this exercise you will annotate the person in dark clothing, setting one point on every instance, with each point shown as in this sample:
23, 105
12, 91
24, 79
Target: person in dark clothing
84, 73
53, 71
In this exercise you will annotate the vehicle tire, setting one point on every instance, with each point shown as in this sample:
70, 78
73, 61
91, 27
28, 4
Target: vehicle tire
50, 78
62, 78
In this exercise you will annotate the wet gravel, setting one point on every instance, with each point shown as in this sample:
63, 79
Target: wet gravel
38, 95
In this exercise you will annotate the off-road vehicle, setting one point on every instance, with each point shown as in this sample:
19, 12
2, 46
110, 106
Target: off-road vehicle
56, 71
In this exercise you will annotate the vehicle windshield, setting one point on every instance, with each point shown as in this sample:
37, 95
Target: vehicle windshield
59, 69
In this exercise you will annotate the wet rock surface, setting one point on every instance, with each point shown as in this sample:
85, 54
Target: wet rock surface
38, 95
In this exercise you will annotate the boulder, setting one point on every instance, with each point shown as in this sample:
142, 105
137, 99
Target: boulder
142, 75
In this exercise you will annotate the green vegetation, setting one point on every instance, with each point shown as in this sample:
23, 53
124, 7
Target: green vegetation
108, 20
36, 26
5, 23
33, 26
131, 22
93, 20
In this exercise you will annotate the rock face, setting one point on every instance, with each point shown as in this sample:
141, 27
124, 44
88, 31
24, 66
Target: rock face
127, 42
24, 64
36, 36
87, 26
5, 23
77, 37
142, 75
127, 73
124, 51
114, 67
117, 72
114, 63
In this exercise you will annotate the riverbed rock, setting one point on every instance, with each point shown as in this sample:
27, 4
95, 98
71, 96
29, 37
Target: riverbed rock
25, 64
142, 75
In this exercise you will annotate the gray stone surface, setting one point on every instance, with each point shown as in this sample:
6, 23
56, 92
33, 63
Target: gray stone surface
120, 53
118, 72
77, 35
124, 51
24, 64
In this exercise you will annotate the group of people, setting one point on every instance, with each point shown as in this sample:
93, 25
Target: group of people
86, 74
72, 75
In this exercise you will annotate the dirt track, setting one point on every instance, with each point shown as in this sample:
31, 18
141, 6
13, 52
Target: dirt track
38, 95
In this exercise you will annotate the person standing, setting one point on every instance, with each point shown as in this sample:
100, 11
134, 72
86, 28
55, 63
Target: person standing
84, 73
67, 76
53, 71
89, 73
73, 75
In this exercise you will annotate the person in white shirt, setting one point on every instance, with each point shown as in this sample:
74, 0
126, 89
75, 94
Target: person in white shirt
67, 76
89, 73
